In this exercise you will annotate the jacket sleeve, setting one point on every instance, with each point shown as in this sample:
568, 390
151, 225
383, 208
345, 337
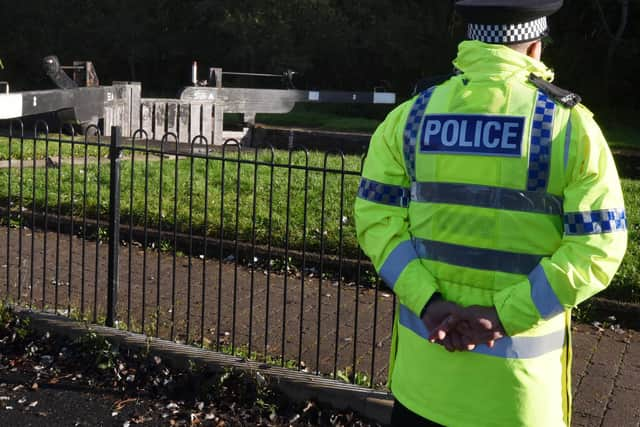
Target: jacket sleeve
594, 240
381, 215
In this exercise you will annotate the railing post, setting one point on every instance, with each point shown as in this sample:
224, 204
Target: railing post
114, 224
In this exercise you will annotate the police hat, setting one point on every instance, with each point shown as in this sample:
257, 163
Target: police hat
507, 21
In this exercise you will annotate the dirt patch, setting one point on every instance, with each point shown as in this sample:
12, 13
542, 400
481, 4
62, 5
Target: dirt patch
322, 326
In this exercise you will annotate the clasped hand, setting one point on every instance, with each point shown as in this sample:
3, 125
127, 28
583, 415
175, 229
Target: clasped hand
460, 328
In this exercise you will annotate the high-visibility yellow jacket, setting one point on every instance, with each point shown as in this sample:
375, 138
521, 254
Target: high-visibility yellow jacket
487, 191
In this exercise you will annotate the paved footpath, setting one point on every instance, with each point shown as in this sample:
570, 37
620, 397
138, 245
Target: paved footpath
606, 377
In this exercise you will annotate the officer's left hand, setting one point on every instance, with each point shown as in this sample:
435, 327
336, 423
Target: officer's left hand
480, 325
465, 329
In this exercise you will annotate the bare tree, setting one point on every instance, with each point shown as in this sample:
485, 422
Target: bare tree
614, 38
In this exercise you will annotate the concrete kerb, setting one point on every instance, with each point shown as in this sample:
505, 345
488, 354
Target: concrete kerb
627, 314
297, 386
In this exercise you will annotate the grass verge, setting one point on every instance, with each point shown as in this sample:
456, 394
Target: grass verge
298, 206
28, 148
286, 207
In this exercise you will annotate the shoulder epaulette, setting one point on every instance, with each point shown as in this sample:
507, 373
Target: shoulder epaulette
562, 96
428, 82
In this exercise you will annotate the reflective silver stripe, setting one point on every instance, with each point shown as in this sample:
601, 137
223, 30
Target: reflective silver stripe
542, 294
478, 258
507, 347
567, 145
487, 197
396, 262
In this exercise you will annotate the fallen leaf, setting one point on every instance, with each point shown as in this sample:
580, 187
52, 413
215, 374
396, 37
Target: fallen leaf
56, 380
120, 404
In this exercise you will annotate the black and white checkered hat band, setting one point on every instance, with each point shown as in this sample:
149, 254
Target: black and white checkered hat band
506, 34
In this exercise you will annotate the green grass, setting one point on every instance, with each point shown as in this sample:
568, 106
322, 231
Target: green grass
626, 284
623, 137
331, 117
330, 228
620, 128
321, 121
25, 149
177, 196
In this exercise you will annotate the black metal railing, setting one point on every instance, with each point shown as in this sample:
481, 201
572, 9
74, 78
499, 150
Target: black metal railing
246, 251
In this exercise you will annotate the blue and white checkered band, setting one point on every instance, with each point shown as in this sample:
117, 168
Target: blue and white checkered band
595, 222
509, 33
386, 194
541, 138
414, 123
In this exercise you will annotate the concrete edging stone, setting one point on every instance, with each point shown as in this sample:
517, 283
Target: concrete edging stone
626, 313
297, 386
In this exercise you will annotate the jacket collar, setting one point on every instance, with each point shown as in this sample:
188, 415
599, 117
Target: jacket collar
480, 61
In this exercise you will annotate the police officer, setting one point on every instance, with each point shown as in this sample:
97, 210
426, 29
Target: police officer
491, 205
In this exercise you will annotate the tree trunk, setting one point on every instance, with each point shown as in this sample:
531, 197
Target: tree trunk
614, 41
